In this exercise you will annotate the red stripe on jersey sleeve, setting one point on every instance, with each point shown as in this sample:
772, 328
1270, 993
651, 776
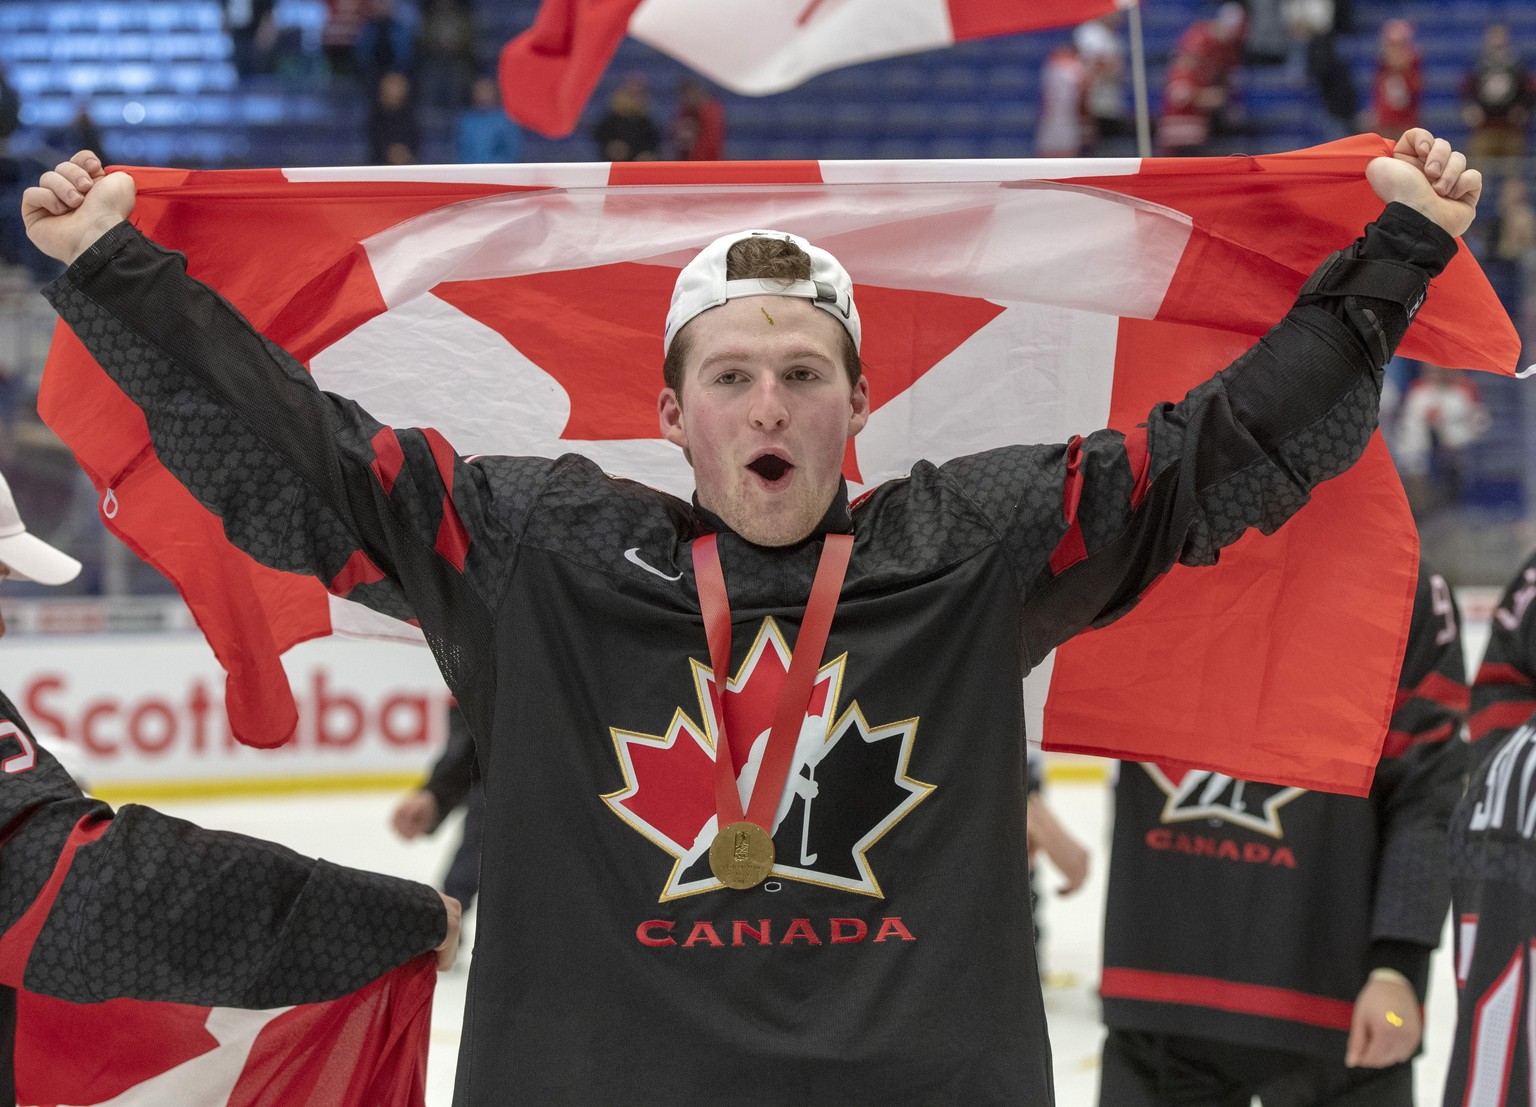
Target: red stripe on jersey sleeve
1072, 548
1500, 716
1501, 673
1399, 742
388, 458
16, 945
1137, 455
452, 538
1437, 688
1226, 995
359, 569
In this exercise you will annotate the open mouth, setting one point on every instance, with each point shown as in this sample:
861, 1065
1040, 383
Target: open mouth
770, 467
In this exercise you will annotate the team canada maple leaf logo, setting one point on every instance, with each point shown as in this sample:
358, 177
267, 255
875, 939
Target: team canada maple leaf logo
848, 783
1199, 794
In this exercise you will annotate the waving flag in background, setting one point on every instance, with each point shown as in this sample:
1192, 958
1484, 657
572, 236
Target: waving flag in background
518, 309
549, 71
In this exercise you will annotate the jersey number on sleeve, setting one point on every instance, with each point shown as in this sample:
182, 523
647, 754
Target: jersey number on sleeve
23, 761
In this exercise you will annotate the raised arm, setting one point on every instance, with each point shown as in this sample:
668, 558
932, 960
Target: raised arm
1245, 448
302, 480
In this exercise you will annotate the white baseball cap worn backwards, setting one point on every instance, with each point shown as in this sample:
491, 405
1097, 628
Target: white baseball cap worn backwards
702, 285
27, 556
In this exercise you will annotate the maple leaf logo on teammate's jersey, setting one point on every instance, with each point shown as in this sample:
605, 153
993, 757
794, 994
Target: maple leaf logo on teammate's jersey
1198, 794
848, 784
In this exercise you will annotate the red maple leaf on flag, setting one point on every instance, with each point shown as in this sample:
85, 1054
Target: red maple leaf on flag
579, 325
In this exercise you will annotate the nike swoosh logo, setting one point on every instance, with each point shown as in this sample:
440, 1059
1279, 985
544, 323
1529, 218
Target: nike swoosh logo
632, 555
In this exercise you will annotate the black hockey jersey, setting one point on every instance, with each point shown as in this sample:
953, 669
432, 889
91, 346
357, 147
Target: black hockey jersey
157, 908
1493, 869
887, 959
1252, 913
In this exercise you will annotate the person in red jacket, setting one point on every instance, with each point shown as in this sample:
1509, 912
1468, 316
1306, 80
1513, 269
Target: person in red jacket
698, 128
1398, 88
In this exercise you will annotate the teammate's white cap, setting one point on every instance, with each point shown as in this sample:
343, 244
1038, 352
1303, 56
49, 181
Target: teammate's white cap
702, 285
27, 556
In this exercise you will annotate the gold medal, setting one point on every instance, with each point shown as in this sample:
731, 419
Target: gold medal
741, 855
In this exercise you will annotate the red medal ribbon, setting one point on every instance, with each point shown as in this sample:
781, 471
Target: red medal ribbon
794, 697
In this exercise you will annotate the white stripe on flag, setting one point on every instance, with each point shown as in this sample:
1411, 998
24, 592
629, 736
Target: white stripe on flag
1122, 250
209, 1079
756, 48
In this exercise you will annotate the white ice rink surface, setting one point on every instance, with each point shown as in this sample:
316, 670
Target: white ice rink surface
351, 829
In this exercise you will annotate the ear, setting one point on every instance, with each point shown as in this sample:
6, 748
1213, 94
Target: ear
670, 410
860, 404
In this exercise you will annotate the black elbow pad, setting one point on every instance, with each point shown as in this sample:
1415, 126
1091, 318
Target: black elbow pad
1379, 297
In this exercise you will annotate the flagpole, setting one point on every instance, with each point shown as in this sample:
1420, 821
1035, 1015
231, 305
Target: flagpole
1139, 83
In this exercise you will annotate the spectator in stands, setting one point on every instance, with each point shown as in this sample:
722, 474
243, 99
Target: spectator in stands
1267, 40
1063, 90
338, 38
1213, 48
1506, 243
394, 134
1315, 57
1102, 53
10, 111
1398, 88
1440, 416
445, 53
80, 133
1184, 124
698, 129
486, 134
1198, 101
453, 781
252, 29
1498, 94
386, 43
627, 132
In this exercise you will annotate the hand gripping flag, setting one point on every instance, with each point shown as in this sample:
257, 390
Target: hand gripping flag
518, 309
549, 71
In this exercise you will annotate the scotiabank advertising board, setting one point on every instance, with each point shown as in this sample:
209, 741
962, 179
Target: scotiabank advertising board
148, 710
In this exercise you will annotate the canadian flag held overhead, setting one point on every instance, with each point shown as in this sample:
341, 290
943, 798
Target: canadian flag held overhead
549, 71
518, 309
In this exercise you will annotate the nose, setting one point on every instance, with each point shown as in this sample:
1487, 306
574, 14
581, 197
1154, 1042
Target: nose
768, 410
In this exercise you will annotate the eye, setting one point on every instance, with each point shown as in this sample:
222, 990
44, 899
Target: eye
803, 373
730, 376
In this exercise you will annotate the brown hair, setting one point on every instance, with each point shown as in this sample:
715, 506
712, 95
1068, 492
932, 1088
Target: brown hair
768, 259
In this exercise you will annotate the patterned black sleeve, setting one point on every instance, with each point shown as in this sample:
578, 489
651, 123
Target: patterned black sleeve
159, 909
1504, 694
39, 807
1419, 778
1092, 523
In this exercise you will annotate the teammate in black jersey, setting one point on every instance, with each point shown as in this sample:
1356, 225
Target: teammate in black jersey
250, 896
1275, 942
1493, 869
